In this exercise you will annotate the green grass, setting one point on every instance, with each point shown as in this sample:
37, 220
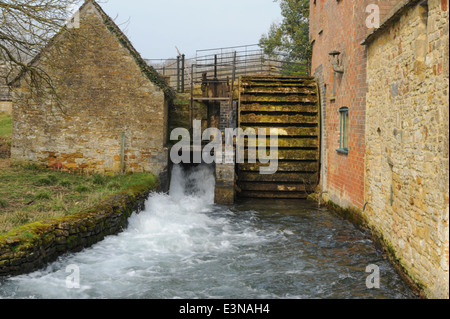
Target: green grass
29, 194
3, 203
65, 183
43, 195
5, 134
5, 125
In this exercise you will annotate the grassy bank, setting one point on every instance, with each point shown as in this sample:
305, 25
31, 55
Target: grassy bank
5, 125
28, 194
5, 134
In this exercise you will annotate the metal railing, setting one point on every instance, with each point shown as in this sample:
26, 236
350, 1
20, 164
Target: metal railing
223, 63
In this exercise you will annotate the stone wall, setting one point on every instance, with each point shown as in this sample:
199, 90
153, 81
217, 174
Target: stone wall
5, 97
103, 99
340, 25
224, 193
407, 128
5, 107
180, 113
31, 247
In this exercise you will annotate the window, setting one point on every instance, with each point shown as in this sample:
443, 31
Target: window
343, 139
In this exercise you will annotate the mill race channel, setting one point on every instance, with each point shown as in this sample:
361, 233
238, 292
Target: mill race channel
185, 246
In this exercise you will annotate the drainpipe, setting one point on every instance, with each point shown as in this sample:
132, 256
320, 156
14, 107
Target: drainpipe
122, 152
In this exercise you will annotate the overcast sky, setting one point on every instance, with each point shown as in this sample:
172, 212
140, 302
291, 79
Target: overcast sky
155, 27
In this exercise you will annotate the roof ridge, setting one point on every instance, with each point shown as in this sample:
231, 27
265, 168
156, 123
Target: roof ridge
148, 70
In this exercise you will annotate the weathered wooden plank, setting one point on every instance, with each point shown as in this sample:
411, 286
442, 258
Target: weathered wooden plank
281, 89
312, 167
286, 131
274, 195
300, 142
250, 80
295, 154
275, 187
286, 108
278, 118
276, 77
267, 84
280, 98
287, 177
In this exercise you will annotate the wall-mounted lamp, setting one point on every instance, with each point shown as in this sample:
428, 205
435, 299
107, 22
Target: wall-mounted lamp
336, 62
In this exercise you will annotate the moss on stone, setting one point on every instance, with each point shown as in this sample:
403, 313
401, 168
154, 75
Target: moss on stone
353, 215
357, 218
26, 245
413, 281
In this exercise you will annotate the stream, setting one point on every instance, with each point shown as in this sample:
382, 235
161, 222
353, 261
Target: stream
184, 246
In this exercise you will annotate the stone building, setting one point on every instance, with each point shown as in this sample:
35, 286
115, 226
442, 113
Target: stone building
407, 139
106, 110
384, 104
339, 64
5, 96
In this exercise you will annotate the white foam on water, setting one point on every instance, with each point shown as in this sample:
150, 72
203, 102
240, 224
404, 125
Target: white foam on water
174, 234
184, 246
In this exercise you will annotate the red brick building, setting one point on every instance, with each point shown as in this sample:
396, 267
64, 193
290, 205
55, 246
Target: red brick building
337, 29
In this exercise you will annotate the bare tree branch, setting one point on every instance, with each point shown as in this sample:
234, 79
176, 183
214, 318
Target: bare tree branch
26, 27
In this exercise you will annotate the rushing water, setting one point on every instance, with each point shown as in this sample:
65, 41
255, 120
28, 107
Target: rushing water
184, 246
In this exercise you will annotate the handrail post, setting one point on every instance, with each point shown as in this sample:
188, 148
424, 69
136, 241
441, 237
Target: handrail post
178, 75
182, 72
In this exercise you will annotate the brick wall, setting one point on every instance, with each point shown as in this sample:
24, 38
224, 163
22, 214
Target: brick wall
341, 25
407, 128
332, 28
103, 93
